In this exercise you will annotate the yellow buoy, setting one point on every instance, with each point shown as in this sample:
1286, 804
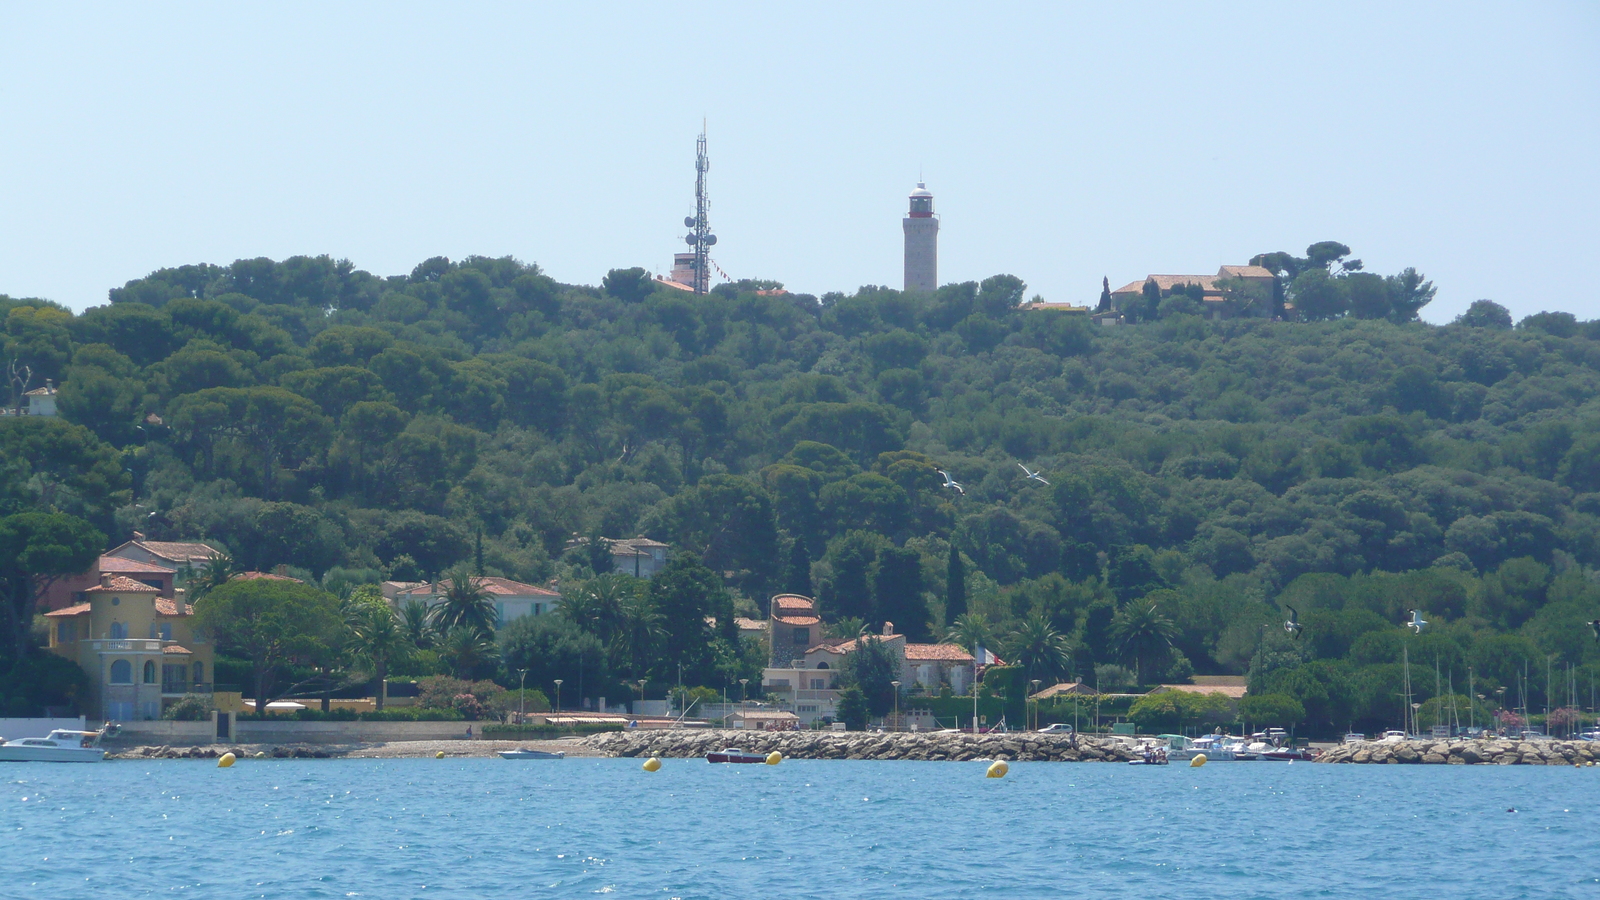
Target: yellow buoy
1198, 761
997, 769
774, 758
439, 755
225, 760
652, 764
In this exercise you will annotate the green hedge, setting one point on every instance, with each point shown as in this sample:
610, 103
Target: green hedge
546, 731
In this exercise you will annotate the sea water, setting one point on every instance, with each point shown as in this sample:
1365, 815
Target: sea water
490, 828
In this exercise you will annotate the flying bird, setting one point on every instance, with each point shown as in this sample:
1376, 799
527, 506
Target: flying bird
1032, 476
1416, 624
1292, 625
951, 482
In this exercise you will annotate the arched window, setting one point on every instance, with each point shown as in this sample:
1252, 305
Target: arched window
121, 672
822, 665
199, 673
119, 631
149, 672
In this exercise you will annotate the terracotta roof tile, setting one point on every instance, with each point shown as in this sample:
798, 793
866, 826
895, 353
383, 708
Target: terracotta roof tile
763, 714
165, 607
118, 564
179, 549
175, 649
121, 584
1244, 272
81, 609
937, 651
798, 620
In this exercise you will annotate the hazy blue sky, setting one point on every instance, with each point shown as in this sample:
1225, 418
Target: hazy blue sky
1063, 143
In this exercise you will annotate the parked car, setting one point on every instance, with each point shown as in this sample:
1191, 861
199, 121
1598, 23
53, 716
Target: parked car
1057, 728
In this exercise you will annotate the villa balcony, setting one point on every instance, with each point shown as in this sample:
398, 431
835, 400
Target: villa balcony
126, 645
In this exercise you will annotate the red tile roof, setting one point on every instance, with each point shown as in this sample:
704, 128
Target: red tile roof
118, 564
798, 620
937, 652
174, 648
793, 601
263, 576
81, 609
182, 551
121, 584
165, 607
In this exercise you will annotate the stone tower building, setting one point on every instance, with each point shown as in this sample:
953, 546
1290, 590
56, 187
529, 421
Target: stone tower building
922, 242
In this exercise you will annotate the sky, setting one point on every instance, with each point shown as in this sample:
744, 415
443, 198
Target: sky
1063, 142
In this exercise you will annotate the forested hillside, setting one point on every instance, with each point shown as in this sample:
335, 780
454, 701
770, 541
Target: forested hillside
1200, 474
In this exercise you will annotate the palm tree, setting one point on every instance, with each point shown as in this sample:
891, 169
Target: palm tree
466, 649
1141, 630
971, 630
217, 571
464, 602
414, 622
641, 626
1040, 649
376, 635
596, 606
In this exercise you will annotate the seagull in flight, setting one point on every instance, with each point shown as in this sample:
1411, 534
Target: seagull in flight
951, 482
1416, 624
1032, 475
1292, 625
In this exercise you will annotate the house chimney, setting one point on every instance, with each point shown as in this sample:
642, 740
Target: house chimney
888, 629
179, 601
138, 535
105, 579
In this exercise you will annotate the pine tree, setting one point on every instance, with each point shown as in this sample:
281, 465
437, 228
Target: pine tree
797, 575
1105, 294
955, 592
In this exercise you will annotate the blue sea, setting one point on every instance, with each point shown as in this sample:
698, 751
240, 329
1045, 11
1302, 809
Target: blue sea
489, 828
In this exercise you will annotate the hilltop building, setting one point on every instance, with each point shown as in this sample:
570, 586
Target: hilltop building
1217, 303
921, 227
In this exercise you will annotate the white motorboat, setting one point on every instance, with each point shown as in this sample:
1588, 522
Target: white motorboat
532, 754
1392, 737
1354, 737
1215, 747
61, 745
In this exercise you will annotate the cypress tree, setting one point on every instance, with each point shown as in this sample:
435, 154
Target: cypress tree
955, 591
1105, 294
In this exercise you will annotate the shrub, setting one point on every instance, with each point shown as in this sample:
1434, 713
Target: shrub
192, 708
536, 732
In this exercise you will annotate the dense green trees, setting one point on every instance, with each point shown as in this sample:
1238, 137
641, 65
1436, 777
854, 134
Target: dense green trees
1355, 463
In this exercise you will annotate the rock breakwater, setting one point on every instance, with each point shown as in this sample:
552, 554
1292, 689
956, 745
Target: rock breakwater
694, 743
1466, 753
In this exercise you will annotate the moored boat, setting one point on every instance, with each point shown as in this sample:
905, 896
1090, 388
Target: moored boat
60, 745
532, 754
734, 755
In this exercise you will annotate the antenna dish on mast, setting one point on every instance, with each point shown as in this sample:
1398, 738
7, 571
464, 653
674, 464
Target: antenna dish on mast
688, 221
711, 239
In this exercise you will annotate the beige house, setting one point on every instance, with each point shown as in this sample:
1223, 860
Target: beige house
181, 556
512, 599
139, 649
807, 684
1218, 304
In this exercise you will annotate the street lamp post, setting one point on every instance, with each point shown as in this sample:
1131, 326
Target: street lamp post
896, 686
1035, 703
743, 690
558, 696
641, 690
522, 694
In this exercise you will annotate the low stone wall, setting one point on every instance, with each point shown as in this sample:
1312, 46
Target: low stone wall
693, 743
1466, 753
290, 731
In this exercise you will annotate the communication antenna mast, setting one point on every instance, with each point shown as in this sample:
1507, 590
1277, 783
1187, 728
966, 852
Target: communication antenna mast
701, 238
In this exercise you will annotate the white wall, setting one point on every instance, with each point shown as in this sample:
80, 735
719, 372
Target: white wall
16, 729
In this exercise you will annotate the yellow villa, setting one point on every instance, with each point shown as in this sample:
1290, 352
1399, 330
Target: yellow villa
139, 649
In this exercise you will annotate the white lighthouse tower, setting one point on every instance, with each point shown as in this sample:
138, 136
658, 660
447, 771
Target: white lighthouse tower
922, 242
